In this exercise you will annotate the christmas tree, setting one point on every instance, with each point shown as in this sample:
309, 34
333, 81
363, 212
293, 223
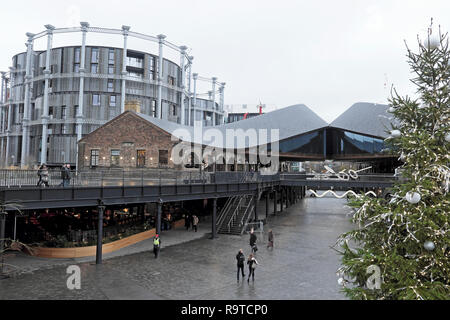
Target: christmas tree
400, 248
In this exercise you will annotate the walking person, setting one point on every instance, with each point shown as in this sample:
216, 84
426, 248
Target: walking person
186, 221
253, 239
240, 264
39, 173
44, 175
194, 222
68, 175
252, 263
63, 175
156, 245
270, 239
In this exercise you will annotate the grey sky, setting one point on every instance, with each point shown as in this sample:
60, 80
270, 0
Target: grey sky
325, 54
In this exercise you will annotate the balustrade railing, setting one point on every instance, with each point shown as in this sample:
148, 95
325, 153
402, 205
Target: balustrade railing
160, 176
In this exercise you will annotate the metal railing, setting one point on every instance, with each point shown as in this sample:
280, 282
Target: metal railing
162, 176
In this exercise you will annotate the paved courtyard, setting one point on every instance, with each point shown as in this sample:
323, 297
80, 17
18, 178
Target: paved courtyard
193, 267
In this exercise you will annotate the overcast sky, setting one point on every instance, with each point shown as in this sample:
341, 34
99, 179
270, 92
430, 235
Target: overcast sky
325, 54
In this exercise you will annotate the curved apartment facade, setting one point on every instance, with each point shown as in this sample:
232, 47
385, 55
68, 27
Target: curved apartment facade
61, 94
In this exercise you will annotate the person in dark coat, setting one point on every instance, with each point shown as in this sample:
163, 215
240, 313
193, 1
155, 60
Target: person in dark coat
186, 221
240, 264
253, 241
270, 239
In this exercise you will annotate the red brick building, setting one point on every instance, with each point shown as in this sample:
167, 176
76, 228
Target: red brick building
127, 141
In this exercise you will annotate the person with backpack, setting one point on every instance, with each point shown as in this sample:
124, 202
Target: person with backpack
194, 222
270, 239
240, 264
253, 239
252, 263
156, 245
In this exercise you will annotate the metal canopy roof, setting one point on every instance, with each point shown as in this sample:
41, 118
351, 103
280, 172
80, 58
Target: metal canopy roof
365, 118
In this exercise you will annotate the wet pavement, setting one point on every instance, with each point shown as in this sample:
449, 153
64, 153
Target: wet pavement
301, 266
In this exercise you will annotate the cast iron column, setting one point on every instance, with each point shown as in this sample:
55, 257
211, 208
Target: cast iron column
47, 73
281, 199
182, 84
158, 217
101, 209
125, 30
214, 79
161, 38
27, 101
275, 202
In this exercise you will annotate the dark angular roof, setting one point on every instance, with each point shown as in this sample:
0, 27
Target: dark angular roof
366, 118
290, 121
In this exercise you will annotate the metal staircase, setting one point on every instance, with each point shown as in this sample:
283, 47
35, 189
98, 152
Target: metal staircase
235, 214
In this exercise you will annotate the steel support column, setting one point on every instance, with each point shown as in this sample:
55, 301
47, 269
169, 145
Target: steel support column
125, 30
195, 77
98, 258
161, 38
274, 201
27, 101
47, 73
255, 204
158, 217
183, 85
214, 79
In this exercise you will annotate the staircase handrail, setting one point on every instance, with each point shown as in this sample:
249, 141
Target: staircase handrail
235, 211
223, 212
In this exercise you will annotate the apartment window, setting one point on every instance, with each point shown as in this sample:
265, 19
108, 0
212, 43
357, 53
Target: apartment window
76, 67
110, 69
64, 129
50, 112
94, 157
174, 110
94, 55
75, 111
111, 56
115, 158
171, 80
110, 85
140, 158
154, 108
76, 57
112, 101
152, 68
95, 99
63, 112
94, 67
163, 157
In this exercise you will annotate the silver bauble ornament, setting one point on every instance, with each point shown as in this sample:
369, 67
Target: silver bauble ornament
341, 281
447, 137
412, 197
402, 157
391, 109
429, 245
396, 133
